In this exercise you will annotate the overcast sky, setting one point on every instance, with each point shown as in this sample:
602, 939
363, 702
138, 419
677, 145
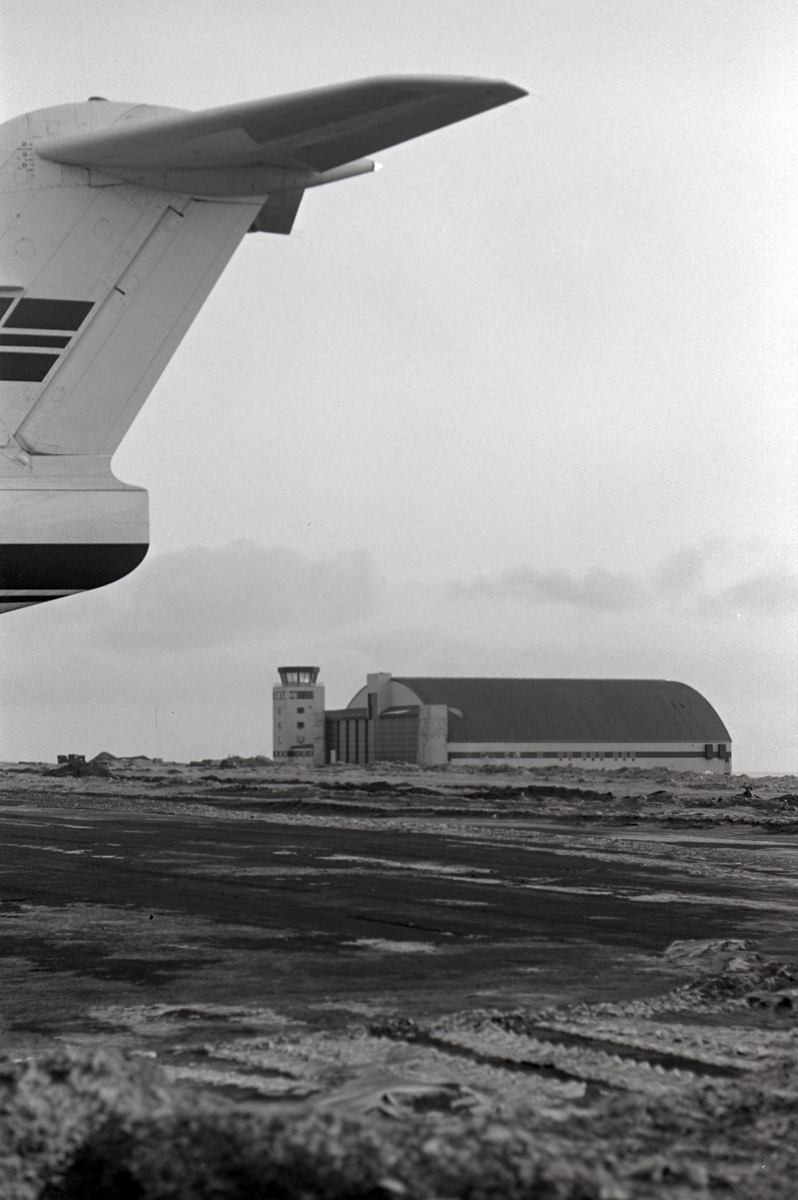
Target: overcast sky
522, 403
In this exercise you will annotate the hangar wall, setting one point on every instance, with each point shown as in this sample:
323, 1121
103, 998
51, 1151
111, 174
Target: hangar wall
595, 723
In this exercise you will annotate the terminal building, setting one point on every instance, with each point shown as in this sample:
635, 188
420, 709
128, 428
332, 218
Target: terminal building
592, 723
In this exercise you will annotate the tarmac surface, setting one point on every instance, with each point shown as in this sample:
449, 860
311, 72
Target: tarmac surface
316, 910
418, 943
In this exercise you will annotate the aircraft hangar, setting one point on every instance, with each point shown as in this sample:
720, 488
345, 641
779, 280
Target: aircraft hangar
592, 723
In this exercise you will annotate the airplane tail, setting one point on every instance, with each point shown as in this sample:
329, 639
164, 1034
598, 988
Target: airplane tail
100, 281
101, 284
116, 222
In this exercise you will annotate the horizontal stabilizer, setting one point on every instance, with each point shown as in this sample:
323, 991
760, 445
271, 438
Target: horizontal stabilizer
314, 130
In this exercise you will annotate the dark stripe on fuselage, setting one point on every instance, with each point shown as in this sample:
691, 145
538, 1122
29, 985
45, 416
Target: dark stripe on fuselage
48, 314
34, 598
25, 368
62, 566
33, 339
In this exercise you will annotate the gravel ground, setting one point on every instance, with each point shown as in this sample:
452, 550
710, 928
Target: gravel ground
674, 1076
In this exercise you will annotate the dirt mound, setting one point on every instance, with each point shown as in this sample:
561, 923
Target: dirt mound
80, 770
732, 969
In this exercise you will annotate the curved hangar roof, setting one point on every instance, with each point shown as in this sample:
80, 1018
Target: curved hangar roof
559, 710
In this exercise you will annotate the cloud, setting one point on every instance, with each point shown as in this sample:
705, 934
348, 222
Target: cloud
708, 580
597, 588
242, 592
769, 593
684, 570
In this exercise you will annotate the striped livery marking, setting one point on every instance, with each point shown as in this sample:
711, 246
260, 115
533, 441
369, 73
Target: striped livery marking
48, 314
63, 567
32, 339
19, 365
8, 594
25, 368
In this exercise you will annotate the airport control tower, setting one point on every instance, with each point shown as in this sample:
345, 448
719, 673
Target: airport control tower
298, 715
